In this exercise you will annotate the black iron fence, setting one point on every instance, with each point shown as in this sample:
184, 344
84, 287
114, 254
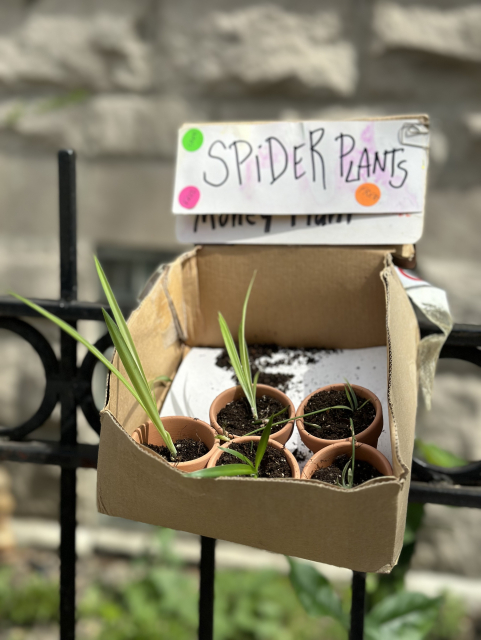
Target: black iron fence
72, 387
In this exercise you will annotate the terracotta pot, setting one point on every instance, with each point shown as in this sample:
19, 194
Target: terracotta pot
368, 436
236, 393
179, 427
214, 459
325, 457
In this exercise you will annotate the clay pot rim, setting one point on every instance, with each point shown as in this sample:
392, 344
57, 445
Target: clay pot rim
177, 465
337, 387
341, 448
272, 443
264, 389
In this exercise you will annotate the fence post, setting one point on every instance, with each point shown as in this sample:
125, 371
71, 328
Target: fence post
206, 595
358, 603
68, 372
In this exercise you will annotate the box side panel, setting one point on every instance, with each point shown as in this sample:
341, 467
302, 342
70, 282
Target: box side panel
403, 341
354, 529
303, 296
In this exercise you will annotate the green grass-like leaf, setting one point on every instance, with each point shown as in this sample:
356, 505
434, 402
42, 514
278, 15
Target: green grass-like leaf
159, 379
241, 376
76, 336
346, 470
305, 415
437, 456
138, 380
263, 442
119, 317
240, 361
138, 385
363, 404
351, 396
239, 455
223, 471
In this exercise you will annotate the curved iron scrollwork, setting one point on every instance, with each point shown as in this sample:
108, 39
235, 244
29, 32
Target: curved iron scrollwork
53, 381
52, 377
84, 396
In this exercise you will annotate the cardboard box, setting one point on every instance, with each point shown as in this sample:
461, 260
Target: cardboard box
305, 297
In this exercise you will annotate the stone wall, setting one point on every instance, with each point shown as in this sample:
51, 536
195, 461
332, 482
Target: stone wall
114, 79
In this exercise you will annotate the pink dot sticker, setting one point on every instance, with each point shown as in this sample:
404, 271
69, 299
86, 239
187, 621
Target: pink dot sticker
189, 197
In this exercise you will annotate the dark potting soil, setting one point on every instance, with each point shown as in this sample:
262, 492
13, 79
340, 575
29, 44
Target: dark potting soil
299, 455
256, 352
273, 465
363, 471
263, 357
277, 380
236, 417
334, 424
187, 449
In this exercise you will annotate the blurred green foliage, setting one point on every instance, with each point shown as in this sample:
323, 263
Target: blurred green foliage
437, 456
160, 601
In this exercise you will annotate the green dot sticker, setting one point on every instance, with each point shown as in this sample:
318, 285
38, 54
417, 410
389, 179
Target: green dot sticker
193, 140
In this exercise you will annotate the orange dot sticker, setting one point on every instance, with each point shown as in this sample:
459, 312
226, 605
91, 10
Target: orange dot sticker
368, 194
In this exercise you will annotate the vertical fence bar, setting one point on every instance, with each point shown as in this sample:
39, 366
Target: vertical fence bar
206, 595
68, 370
67, 189
358, 603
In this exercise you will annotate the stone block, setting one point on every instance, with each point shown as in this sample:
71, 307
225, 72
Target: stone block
263, 45
452, 227
106, 125
99, 51
449, 541
126, 202
473, 123
447, 32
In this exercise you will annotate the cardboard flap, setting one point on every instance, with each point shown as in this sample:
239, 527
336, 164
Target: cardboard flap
303, 296
307, 519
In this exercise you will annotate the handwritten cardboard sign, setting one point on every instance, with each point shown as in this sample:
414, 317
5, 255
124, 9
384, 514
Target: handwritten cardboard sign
295, 168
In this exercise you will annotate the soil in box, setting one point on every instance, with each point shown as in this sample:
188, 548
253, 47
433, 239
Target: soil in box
334, 424
363, 471
236, 417
187, 449
273, 465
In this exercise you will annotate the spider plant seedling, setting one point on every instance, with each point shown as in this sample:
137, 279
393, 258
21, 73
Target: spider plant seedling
240, 361
265, 421
247, 468
140, 388
305, 415
349, 470
352, 398
353, 407
224, 437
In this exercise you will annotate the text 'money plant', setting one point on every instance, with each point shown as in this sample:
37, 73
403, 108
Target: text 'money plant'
240, 361
139, 386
